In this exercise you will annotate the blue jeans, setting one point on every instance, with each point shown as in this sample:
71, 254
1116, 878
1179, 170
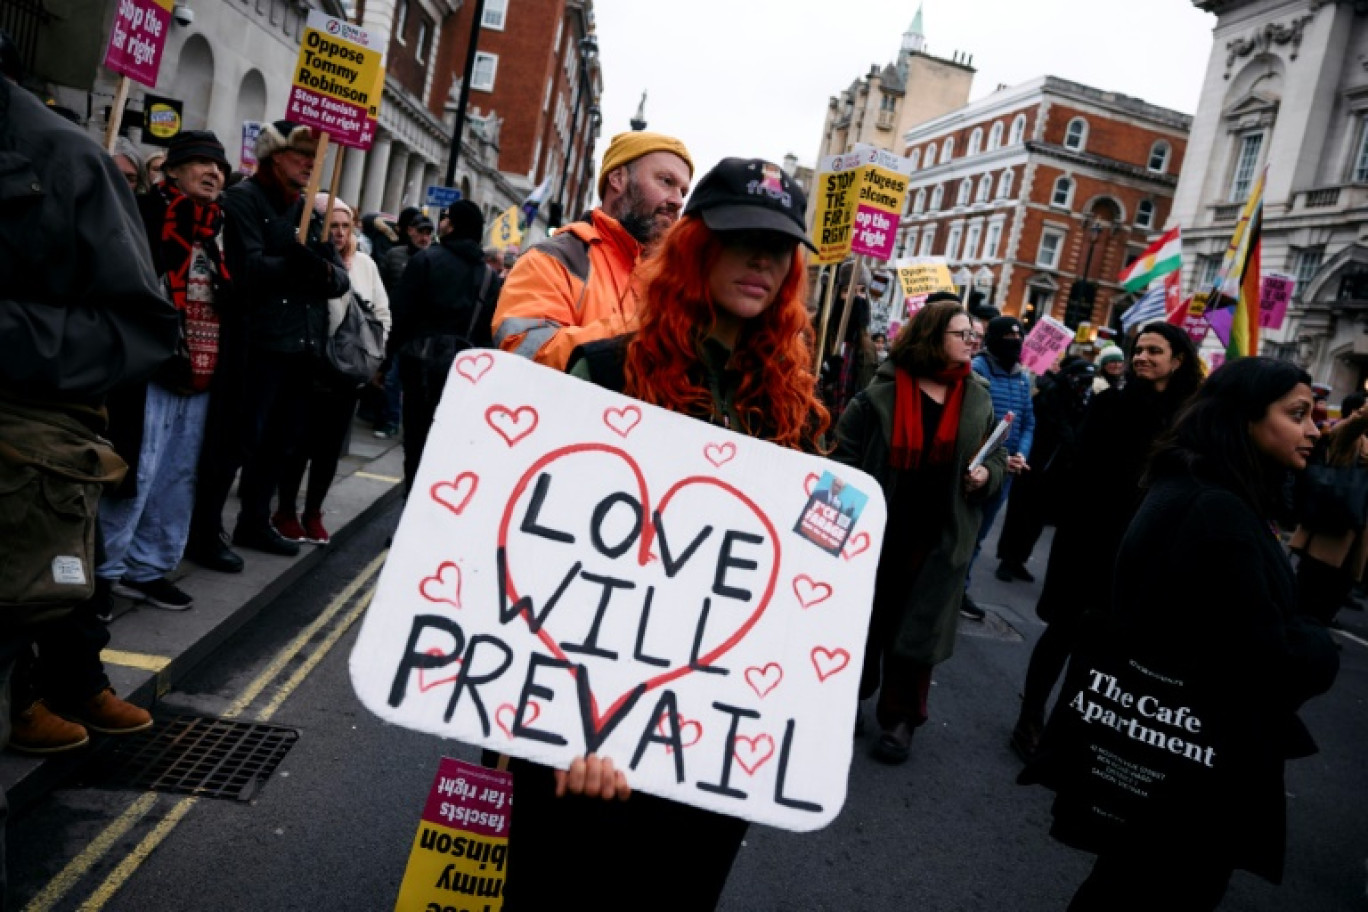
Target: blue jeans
990, 511
145, 534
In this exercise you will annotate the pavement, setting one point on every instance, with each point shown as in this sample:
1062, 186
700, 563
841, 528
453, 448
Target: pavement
150, 649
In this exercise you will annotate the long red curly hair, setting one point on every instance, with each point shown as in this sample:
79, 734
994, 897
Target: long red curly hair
776, 398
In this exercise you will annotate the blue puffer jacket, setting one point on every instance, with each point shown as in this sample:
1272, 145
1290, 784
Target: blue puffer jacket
1011, 393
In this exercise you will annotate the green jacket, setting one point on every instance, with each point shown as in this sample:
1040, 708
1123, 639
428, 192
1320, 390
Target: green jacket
930, 608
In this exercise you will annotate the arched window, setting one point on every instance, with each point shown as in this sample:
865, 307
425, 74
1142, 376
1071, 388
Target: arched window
1144, 214
937, 196
975, 141
1159, 156
195, 80
985, 188
947, 148
1005, 185
1018, 130
995, 136
1076, 134
914, 157
931, 155
919, 205
965, 188
1063, 192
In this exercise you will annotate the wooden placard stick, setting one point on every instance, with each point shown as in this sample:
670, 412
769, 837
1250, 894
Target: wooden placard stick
827, 295
116, 113
855, 272
302, 235
333, 185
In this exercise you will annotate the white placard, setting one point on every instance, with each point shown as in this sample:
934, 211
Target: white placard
579, 572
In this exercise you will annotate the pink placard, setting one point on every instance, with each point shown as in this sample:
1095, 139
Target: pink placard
137, 39
875, 231
344, 123
1043, 345
469, 797
1274, 295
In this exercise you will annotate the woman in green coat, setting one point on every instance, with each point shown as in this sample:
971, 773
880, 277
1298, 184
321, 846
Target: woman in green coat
916, 429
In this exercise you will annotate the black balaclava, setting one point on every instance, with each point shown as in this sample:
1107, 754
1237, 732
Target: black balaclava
1006, 351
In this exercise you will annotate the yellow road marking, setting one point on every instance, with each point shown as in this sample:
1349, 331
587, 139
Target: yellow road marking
374, 477
63, 883
154, 664
79, 866
1349, 636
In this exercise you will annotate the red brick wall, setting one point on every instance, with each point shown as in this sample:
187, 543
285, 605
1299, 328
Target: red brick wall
1115, 139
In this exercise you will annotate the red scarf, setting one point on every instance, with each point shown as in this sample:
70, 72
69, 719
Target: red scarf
187, 225
909, 449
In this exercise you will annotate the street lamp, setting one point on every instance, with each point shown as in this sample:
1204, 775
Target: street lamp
588, 50
1084, 291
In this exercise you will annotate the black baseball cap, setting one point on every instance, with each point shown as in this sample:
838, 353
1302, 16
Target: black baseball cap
750, 194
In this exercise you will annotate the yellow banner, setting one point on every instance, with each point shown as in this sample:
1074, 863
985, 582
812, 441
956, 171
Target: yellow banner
504, 232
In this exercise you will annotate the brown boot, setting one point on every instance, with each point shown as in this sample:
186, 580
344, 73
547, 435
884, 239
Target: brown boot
37, 730
107, 714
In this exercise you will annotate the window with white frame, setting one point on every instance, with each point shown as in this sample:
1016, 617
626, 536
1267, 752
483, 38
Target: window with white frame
913, 158
1207, 267
495, 13
952, 241
1063, 192
1360, 172
985, 189
1005, 185
1018, 130
937, 197
400, 20
910, 242
1158, 157
1144, 214
1246, 161
995, 136
990, 241
930, 155
919, 202
546, 102
424, 36
1076, 134
975, 141
965, 188
486, 66
1306, 262
928, 240
1051, 243
971, 240
947, 148
560, 29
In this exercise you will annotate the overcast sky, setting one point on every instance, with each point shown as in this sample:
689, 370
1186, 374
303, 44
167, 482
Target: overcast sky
752, 77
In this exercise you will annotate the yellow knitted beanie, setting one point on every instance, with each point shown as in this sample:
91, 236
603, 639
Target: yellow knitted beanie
626, 148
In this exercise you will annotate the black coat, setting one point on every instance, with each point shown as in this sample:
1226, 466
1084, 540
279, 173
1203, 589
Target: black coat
1103, 493
283, 285
1204, 587
438, 295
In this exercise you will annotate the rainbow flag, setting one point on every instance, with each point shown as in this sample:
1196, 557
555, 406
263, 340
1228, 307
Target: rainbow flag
1159, 259
1235, 293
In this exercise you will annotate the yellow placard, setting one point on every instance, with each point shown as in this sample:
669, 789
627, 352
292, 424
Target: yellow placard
833, 221
504, 231
330, 64
919, 276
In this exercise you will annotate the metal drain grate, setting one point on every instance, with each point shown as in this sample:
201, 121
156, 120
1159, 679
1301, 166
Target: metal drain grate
195, 755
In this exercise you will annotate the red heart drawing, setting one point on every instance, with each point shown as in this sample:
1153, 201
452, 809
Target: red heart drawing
858, 544
809, 591
828, 661
511, 424
456, 494
444, 585
643, 557
752, 753
810, 482
504, 716
424, 685
763, 680
685, 727
621, 421
719, 454
473, 367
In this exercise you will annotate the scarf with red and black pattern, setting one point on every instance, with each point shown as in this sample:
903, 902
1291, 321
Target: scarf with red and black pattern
187, 226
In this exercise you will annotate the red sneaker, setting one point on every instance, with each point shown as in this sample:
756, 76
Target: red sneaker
287, 524
313, 529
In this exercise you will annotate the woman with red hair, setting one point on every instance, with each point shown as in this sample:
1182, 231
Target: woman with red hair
724, 337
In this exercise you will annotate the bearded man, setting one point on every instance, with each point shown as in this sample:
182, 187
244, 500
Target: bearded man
579, 285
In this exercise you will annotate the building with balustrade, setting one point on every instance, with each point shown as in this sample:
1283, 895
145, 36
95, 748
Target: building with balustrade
1286, 88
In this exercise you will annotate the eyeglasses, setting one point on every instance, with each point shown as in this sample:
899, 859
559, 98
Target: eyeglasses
968, 336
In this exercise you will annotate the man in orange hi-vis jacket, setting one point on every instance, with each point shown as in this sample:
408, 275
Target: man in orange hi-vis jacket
577, 286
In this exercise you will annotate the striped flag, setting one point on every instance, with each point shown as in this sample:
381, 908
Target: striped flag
1159, 259
1236, 289
1147, 309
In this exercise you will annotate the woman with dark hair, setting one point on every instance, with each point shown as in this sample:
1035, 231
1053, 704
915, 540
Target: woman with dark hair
1117, 435
723, 337
1203, 595
916, 428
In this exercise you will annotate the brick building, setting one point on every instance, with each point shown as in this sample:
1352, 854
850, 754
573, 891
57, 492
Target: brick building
1039, 194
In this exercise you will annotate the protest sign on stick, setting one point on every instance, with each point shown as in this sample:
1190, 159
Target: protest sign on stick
579, 572
136, 42
1043, 345
879, 204
919, 277
337, 79
836, 187
1274, 295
